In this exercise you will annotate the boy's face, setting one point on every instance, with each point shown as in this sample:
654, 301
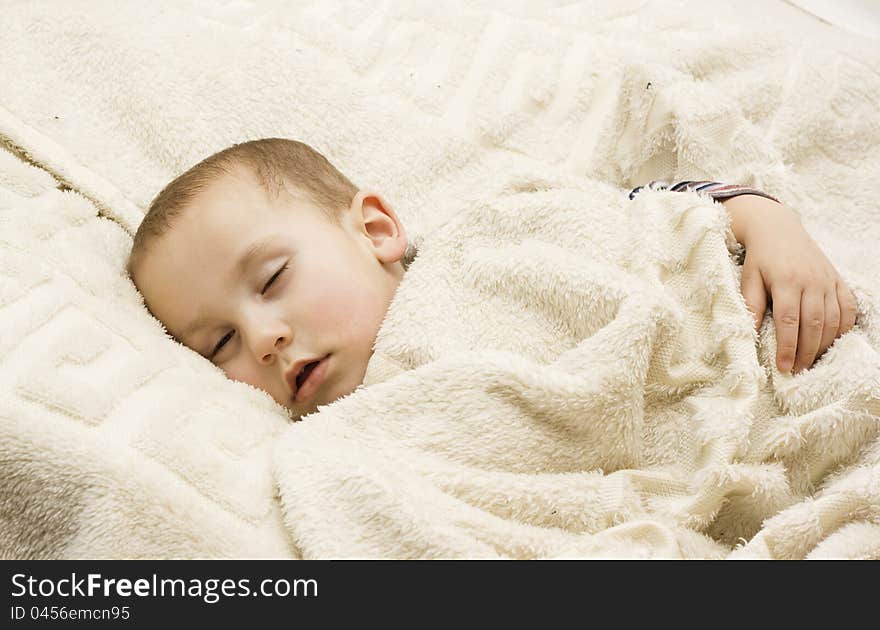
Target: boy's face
315, 292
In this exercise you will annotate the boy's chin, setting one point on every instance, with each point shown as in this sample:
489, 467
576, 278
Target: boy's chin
298, 411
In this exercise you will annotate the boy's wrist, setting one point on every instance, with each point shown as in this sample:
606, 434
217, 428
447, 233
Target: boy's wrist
748, 212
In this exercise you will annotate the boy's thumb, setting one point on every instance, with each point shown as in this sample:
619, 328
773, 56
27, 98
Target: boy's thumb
754, 293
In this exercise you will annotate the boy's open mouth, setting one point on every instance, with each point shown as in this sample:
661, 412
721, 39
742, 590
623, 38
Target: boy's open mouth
304, 373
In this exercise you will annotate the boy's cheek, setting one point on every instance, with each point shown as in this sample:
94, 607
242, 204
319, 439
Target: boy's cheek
348, 308
238, 371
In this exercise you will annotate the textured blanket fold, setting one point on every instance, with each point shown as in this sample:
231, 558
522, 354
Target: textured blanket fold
563, 372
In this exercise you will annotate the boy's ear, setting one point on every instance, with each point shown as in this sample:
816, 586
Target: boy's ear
375, 219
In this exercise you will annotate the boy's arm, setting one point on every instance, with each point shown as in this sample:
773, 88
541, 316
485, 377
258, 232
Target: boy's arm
812, 305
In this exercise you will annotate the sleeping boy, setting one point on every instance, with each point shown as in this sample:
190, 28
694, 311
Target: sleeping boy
274, 266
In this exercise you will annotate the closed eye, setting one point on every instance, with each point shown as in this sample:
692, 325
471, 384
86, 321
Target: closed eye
228, 335
220, 344
273, 278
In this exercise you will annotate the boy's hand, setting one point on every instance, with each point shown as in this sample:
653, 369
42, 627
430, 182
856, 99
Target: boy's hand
812, 306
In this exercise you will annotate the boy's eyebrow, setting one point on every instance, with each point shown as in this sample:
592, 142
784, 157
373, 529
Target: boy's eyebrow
253, 253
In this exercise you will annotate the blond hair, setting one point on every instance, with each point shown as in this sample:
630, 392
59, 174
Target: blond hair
274, 162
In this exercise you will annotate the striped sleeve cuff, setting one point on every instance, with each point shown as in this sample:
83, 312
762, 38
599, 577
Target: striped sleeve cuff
716, 190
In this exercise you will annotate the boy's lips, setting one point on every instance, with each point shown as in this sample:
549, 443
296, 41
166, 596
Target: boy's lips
306, 389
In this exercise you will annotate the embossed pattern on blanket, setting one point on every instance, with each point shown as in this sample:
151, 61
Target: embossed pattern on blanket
115, 441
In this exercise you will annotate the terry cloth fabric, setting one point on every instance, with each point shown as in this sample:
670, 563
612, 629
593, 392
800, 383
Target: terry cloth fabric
588, 384
714, 190
545, 415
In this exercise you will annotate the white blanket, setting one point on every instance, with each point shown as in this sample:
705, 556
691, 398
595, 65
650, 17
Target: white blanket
564, 372
577, 377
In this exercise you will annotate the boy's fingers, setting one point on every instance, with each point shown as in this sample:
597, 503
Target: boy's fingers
754, 293
848, 307
811, 325
786, 318
832, 323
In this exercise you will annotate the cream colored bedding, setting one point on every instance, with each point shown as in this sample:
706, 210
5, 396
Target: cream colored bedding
621, 407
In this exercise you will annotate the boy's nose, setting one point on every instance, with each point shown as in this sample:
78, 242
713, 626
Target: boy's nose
271, 344
279, 343
269, 339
